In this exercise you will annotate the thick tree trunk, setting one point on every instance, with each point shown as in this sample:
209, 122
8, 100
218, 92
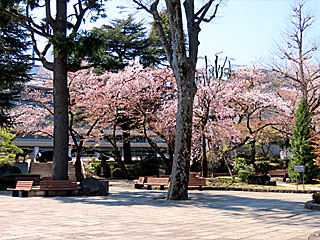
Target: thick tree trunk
61, 94
181, 162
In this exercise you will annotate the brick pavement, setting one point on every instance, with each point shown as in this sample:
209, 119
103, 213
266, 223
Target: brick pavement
128, 213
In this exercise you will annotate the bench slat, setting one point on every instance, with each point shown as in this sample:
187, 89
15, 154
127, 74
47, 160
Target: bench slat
157, 181
197, 182
58, 185
24, 186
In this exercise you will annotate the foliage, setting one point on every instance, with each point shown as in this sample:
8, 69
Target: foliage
302, 148
262, 166
90, 170
243, 164
95, 165
124, 41
14, 70
9, 160
6, 142
243, 175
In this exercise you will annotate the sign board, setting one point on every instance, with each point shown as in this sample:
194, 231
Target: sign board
299, 169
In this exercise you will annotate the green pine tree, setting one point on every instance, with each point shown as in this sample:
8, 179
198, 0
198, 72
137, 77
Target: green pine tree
14, 70
301, 146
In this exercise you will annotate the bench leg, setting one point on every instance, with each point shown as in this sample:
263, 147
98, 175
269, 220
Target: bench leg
24, 193
161, 187
138, 186
15, 193
200, 188
149, 187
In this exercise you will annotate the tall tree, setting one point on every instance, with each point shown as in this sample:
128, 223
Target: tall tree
14, 70
124, 40
302, 148
297, 64
54, 30
183, 61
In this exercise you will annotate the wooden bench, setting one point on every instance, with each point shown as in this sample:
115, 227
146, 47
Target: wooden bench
197, 182
23, 186
279, 173
58, 185
153, 181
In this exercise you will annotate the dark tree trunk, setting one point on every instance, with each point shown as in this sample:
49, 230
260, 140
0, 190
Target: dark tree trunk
117, 156
120, 162
61, 94
253, 152
204, 162
170, 145
126, 144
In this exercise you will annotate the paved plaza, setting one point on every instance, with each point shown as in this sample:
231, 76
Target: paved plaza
128, 213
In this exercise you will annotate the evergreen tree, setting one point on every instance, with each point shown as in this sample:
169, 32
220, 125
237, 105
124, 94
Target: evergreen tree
14, 70
61, 30
301, 147
126, 40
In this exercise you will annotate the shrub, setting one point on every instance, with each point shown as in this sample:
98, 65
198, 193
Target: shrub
96, 165
243, 175
243, 164
316, 197
262, 166
9, 160
89, 170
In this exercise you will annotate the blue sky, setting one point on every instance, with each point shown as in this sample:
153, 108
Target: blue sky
245, 30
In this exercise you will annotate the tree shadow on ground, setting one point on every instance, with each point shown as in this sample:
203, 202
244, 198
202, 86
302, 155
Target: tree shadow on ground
232, 203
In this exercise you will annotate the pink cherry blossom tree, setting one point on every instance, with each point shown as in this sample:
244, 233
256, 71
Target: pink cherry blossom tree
240, 112
139, 94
